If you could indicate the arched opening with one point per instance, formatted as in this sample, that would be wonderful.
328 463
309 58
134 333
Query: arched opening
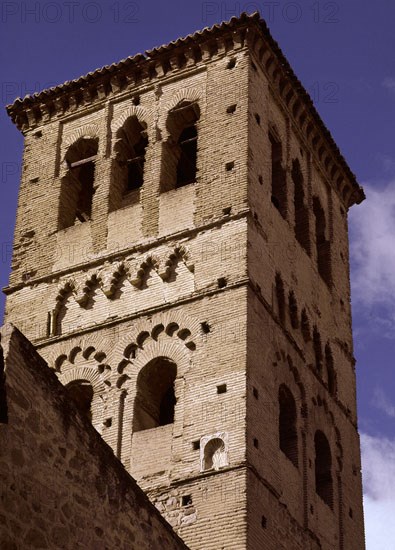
322 244
155 398
77 187
301 212
214 454
81 393
323 466
288 434
179 159
278 179
128 168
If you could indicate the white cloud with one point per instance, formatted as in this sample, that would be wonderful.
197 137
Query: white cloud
381 402
389 84
378 467
372 230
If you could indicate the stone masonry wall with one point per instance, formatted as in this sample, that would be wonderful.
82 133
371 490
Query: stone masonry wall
61 486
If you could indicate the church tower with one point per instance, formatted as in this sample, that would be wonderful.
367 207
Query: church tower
181 261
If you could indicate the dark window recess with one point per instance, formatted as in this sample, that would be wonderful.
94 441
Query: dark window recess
280 297
288 434
222 282
279 184
293 310
256 443
186 168
196 445
128 167
77 187
323 247
323 469
221 389
155 399
263 522
330 370
205 327
179 155
3 396
317 350
186 500
301 212
81 393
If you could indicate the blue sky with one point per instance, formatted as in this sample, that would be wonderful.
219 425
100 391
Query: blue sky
343 52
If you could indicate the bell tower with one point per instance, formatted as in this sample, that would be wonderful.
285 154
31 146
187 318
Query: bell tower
189 284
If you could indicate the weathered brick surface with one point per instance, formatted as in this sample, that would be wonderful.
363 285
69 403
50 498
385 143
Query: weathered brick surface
61 485
190 274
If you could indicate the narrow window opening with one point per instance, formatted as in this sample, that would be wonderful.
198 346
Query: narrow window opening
81 393
221 389
293 310
231 109
205 327
323 469
196 445
155 397
322 244
288 434
128 168
255 393
256 443
229 166
77 187
305 325
263 522
186 168
179 158
280 296
330 370
317 350
301 212
279 185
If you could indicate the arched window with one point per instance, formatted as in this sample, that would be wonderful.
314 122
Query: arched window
81 393
301 212
288 434
279 182
179 160
322 244
214 454
128 169
77 187
293 309
155 398
323 468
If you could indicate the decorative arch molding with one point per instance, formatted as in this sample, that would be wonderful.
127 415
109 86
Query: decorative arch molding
179 332
64 290
88 131
85 373
184 94
141 113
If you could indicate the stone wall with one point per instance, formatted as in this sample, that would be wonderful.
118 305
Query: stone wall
61 485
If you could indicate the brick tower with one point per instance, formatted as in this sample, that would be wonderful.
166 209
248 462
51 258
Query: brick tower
181 261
